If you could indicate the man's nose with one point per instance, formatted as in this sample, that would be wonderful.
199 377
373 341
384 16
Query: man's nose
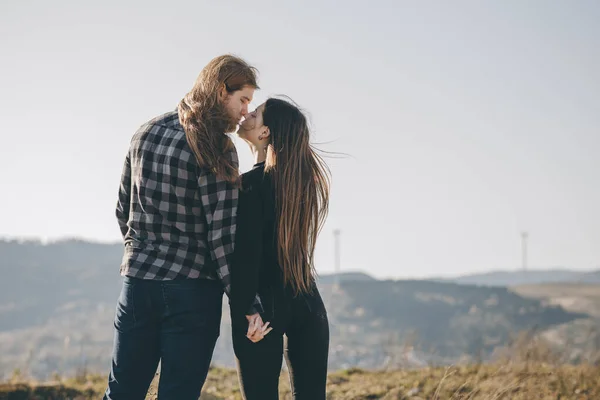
244 110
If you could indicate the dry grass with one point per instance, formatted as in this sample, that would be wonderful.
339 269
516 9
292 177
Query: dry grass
523 381
475 382
529 370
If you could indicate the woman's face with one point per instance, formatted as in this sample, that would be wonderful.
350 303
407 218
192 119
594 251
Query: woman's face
252 128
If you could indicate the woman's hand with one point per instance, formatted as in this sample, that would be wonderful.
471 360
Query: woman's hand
257 330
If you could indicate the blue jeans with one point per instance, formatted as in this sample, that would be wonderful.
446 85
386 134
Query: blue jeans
176 322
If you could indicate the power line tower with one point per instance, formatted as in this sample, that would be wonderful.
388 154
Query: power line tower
524 237
337 259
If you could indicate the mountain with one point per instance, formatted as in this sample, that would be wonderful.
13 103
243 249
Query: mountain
590 277
37 278
57 304
528 277
344 277
574 297
447 320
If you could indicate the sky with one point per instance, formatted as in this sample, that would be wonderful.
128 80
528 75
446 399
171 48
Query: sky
464 123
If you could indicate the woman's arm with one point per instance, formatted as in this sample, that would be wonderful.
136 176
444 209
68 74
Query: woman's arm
248 253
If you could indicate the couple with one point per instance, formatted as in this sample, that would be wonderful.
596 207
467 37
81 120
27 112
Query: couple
193 228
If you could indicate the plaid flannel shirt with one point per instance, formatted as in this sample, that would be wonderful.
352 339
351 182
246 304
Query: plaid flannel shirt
178 220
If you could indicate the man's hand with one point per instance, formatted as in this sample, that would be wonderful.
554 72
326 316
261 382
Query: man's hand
257 330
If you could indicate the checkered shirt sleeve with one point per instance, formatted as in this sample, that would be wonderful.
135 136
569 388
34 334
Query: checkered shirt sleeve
220 201
123 201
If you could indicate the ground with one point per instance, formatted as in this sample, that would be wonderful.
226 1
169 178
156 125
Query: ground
523 381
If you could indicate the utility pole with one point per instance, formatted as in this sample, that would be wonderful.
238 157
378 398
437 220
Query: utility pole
524 237
337 261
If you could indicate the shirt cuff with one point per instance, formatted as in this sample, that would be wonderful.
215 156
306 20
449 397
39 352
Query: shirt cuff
256 307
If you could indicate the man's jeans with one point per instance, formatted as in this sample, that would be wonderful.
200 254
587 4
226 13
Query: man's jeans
176 322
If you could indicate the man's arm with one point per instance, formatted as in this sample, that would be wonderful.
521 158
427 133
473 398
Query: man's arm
123 201
220 201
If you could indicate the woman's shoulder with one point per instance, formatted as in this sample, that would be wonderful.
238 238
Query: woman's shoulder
257 188
254 178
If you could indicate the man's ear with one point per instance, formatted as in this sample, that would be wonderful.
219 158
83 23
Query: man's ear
222 92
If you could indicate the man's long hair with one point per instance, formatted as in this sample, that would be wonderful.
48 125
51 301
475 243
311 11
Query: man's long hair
301 182
205 119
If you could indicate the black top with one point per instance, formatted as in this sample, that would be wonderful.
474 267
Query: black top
255 268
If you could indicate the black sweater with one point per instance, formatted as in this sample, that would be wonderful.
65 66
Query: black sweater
255 268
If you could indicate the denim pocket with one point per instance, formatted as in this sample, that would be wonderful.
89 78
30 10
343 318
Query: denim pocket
125 312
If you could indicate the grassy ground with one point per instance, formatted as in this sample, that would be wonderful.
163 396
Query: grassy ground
489 382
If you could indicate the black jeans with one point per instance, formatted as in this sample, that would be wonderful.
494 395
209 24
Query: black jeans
304 321
176 322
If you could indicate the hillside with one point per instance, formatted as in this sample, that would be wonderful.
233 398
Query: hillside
344 277
581 336
57 304
575 297
438 322
528 277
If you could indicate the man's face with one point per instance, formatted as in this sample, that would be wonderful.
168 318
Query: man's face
236 105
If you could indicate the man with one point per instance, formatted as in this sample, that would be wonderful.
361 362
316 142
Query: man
177 209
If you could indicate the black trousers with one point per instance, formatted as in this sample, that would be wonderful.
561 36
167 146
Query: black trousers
303 320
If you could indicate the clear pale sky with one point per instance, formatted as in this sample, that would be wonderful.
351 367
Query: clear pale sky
466 121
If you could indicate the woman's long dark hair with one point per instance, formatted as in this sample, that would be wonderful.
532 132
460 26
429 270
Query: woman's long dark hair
301 182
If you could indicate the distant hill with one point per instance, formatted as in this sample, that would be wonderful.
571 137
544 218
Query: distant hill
575 297
590 277
37 278
447 320
580 336
529 277
345 277
57 304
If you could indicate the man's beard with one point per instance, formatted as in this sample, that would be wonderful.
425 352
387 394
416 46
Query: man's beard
231 122
221 121
232 125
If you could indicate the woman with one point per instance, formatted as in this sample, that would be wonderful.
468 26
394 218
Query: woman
282 206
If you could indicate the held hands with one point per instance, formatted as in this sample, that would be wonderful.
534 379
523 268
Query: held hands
257 330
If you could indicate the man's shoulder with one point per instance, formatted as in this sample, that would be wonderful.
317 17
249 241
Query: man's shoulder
167 120
162 126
